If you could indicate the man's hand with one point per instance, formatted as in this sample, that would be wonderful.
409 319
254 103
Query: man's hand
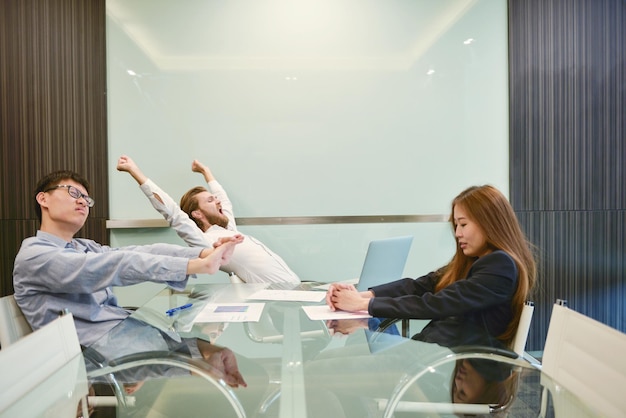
236 239
223 240
211 259
223 360
198 167
125 163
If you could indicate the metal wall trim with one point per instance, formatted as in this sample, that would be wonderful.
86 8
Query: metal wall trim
290 220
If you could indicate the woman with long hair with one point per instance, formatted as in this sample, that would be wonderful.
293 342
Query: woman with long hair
477 298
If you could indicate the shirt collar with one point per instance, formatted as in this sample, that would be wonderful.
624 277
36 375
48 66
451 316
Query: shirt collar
60 242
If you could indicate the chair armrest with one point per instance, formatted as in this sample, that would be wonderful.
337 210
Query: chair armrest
481 349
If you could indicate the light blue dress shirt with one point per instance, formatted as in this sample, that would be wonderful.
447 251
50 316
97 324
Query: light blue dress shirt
51 275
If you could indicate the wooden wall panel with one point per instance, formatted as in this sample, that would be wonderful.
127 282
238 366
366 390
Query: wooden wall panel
568 151
52 110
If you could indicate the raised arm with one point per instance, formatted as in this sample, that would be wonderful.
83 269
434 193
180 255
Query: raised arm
198 167
166 206
216 189
125 163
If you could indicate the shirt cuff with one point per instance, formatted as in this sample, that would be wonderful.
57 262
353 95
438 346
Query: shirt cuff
369 306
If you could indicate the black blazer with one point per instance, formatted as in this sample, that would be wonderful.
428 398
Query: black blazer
470 311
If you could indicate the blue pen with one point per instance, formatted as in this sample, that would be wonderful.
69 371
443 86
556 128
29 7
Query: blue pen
172 311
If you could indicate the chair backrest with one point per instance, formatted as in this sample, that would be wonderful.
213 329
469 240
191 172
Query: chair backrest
585 357
41 369
234 278
13 325
519 342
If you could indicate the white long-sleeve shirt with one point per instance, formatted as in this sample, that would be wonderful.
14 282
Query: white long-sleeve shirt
252 261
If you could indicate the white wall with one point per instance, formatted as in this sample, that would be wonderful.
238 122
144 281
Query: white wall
311 108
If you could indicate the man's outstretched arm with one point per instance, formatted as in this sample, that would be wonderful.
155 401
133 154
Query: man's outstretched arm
211 259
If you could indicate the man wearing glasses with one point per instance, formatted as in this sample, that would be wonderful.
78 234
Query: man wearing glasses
54 271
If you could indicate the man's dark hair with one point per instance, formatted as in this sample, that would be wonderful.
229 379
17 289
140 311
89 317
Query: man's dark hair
54 179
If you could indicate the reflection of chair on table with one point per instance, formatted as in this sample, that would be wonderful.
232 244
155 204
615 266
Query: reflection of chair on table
187 393
501 360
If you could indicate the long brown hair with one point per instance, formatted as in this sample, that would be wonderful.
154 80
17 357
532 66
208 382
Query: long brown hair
487 207
499 391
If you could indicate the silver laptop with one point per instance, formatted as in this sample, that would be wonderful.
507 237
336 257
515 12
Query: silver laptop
384 262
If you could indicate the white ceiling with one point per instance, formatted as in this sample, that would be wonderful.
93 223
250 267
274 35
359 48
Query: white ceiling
184 35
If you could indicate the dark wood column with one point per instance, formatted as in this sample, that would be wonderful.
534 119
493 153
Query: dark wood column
53 112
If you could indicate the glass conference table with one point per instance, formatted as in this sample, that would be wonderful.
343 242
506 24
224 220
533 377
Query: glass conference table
298 367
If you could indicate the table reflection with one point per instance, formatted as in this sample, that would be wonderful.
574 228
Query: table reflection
289 365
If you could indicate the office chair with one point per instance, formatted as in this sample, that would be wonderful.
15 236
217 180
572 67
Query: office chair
14 329
583 360
505 360
523 328
234 278
44 372
174 393
13 325
513 358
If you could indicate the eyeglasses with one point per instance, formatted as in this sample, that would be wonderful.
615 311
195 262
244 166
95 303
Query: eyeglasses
75 193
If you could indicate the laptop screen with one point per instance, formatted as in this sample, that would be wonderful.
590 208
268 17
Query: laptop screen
384 261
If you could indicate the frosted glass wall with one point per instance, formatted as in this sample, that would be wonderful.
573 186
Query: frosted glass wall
318 108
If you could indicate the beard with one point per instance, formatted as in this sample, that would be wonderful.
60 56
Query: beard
218 219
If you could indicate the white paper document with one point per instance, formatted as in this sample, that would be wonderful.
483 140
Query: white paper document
288 295
230 312
323 312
